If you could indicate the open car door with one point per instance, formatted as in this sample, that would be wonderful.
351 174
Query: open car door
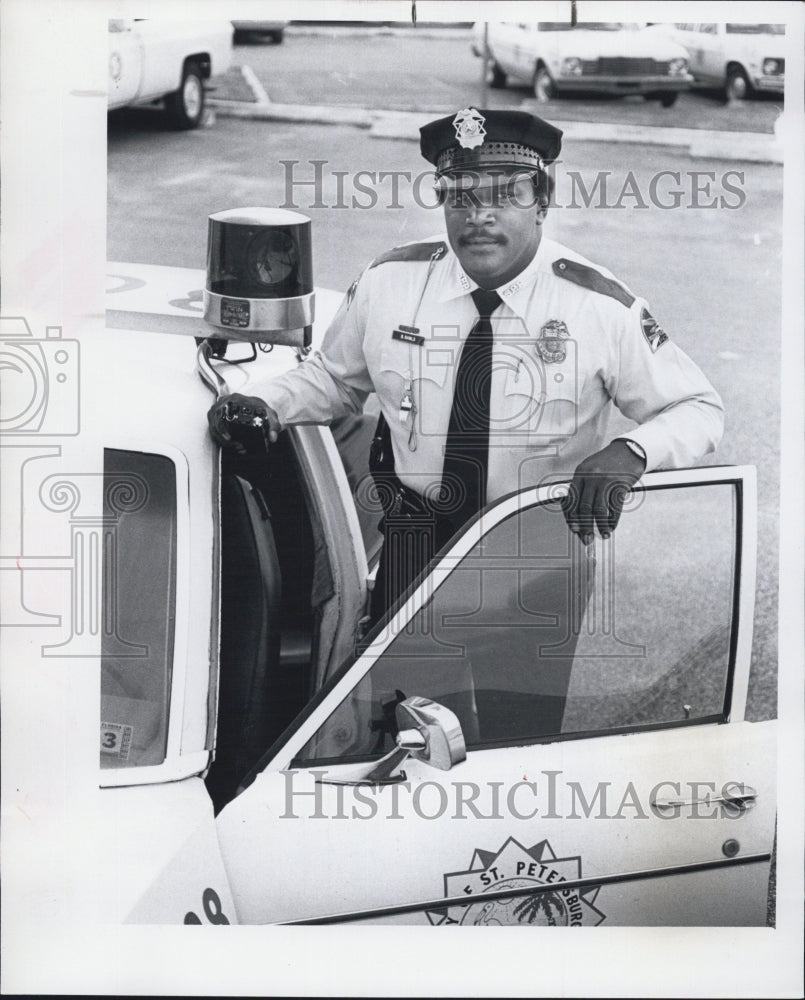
609 776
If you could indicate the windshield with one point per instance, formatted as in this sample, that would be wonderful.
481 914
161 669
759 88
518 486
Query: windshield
586 26
755 29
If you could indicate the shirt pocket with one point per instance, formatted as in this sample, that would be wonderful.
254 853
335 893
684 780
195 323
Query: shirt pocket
541 400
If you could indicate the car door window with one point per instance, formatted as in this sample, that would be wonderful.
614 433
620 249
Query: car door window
532 637
139 607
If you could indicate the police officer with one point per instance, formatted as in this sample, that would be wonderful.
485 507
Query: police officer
497 355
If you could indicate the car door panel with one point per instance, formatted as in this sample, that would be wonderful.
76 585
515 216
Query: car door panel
590 800
712 65
511 41
625 784
173 871
125 63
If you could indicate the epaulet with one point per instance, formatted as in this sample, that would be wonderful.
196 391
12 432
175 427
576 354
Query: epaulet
588 277
412 251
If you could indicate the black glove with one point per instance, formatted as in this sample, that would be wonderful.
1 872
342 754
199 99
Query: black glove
599 488
242 423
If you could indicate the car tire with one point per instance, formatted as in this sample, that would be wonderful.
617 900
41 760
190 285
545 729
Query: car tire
544 87
495 77
185 106
737 87
668 98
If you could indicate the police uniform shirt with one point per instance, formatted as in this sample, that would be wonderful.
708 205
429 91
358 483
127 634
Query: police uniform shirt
569 341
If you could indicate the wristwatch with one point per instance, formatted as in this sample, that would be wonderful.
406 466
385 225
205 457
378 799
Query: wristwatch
638 449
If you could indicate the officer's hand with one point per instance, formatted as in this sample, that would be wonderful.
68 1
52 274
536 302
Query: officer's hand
599 488
237 421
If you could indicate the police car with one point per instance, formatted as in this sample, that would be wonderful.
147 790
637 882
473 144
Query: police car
538 733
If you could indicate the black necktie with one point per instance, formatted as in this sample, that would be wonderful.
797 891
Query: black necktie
466 453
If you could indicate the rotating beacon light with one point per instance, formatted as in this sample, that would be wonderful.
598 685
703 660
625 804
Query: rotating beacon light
260 276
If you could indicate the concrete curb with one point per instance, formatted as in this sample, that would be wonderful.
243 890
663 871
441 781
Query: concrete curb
304 114
749 147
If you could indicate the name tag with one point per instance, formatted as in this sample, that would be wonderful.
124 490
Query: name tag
409 336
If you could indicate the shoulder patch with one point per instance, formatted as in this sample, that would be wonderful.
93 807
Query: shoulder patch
412 251
588 277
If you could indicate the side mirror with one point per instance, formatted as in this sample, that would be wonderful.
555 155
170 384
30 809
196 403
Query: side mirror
427 731
444 741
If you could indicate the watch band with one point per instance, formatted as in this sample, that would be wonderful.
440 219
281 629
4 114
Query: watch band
638 449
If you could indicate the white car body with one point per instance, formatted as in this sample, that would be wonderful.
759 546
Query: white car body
148 58
624 60
149 846
718 50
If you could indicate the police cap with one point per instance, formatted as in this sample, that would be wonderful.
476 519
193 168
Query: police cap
474 139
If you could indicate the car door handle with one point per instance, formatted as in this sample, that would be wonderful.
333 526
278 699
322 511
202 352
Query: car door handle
735 798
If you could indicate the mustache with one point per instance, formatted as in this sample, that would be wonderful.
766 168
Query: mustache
467 239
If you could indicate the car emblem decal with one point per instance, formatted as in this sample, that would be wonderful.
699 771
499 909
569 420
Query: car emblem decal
517 867
469 126
652 331
549 347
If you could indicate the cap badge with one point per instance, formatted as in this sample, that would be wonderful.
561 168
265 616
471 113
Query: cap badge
469 126
549 347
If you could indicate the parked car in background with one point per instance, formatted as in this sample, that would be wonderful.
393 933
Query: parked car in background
739 59
247 30
168 61
605 57
479 30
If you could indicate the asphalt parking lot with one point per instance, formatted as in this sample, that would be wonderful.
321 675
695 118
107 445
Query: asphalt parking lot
428 70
